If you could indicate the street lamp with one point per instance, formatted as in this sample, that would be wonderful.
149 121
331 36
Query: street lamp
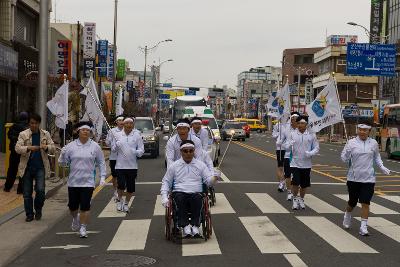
381 39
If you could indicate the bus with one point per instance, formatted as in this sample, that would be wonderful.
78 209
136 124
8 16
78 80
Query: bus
179 104
390 132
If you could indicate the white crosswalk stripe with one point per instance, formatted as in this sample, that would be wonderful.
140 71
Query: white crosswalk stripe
266 203
335 235
110 210
295 260
268 238
384 226
319 205
131 235
395 199
222 206
198 247
159 210
374 208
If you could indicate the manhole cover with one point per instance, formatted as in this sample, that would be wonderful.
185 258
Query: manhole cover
112 260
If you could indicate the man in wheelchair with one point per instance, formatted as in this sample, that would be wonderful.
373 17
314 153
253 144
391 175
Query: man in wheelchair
185 179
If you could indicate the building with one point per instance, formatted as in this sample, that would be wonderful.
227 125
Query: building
254 87
390 28
19 28
355 92
298 63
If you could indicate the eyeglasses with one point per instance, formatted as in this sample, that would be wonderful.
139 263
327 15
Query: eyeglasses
187 151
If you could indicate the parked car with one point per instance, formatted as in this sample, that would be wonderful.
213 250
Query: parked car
246 129
149 135
213 145
234 130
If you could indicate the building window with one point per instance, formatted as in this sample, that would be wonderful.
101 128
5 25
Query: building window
26 26
304 59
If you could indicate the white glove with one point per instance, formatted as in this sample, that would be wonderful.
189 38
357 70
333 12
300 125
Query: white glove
385 170
102 181
217 173
292 142
308 154
118 143
278 143
165 201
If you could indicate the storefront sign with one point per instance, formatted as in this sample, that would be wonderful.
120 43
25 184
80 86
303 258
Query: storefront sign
8 62
121 68
376 21
339 40
102 52
110 62
63 57
88 65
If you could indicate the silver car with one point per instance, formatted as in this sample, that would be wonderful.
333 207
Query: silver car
234 130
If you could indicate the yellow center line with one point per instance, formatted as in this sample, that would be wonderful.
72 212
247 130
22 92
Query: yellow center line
388 185
99 188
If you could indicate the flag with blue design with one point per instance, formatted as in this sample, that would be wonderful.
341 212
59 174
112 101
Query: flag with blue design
279 106
325 110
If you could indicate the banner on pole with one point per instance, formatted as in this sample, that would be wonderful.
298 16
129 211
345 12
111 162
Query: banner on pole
89 40
325 110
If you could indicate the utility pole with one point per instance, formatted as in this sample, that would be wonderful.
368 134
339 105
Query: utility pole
115 55
144 75
298 89
78 54
261 101
43 61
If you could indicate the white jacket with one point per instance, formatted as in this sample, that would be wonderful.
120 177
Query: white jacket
173 148
277 131
203 136
186 177
82 160
302 146
283 138
128 148
110 136
361 156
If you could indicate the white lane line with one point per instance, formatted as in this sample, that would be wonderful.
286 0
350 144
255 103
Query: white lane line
384 226
77 233
395 199
223 176
374 208
110 211
195 247
159 210
266 203
222 206
335 235
294 260
319 205
67 247
131 235
268 238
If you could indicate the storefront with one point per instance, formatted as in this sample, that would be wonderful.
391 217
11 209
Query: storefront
8 78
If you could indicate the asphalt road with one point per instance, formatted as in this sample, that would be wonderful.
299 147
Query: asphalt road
253 223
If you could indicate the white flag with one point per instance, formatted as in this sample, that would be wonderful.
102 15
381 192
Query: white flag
92 105
58 106
325 110
279 106
118 103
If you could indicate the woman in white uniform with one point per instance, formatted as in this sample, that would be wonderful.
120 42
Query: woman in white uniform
361 153
128 146
82 155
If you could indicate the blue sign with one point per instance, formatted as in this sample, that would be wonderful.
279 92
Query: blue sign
102 51
110 62
129 86
371 59
167 85
190 92
165 96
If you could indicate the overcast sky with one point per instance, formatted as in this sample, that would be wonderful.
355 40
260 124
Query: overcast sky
214 40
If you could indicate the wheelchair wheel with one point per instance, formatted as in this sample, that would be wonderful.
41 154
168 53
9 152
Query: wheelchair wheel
213 199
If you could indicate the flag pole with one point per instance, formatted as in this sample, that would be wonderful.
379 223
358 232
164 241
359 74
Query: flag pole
340 105
66 98
101 112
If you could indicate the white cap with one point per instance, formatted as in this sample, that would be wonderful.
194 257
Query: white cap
183 124
128 120
187 145
363 126
85 127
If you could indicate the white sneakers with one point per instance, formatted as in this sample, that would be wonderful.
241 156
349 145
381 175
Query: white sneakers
282 186
75 223
364 230
289 196
301 203
82 231
116 199
195 231
187 230
295 205
125 208
347 220
119 205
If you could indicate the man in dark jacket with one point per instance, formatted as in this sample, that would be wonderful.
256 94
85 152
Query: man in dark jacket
13 134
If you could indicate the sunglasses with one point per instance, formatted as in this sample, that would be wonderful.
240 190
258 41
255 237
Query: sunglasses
187 151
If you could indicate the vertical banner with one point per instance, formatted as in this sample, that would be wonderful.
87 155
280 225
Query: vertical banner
110 62
121 68
63 57
102 52
376 21
88 65
89 40
107 92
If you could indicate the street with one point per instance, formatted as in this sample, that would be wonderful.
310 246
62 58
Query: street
253 224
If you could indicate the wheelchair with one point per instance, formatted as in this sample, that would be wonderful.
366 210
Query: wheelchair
173 233
211 196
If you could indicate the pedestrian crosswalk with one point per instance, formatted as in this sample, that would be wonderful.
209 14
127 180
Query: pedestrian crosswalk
267 222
